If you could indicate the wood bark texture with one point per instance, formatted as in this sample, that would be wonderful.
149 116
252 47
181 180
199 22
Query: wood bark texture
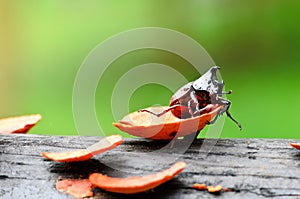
251 168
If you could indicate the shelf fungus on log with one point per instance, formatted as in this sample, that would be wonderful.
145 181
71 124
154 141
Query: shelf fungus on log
19 124
295 145
135 184
79 188
167 126
105 144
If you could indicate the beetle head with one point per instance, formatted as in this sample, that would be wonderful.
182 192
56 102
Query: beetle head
209 82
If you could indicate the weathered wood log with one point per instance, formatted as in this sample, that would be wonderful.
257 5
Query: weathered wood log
251 168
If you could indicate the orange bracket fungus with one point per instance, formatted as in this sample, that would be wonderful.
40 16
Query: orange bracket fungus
295 145
103 145
166 127
20 124
214 189
79 188
200 186
135 184
210 189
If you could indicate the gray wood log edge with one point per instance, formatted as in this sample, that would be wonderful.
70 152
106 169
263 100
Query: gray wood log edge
252 168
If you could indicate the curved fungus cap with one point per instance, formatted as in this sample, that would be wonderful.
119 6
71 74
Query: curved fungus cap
166 127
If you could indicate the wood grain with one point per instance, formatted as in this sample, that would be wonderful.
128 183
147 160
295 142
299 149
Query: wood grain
252 168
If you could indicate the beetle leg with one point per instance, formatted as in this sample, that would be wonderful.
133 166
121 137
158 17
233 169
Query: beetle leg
229 115
194 98
190 108
156 114
163 112
227 104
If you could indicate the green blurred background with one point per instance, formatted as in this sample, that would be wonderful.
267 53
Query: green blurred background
43 44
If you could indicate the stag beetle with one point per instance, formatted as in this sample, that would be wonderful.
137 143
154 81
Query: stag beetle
192 99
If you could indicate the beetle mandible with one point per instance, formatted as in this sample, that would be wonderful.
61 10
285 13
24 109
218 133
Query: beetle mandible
192 99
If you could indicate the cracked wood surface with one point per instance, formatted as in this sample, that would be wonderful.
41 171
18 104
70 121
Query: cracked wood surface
252 168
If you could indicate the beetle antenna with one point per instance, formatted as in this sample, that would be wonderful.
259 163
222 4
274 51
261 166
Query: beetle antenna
229 92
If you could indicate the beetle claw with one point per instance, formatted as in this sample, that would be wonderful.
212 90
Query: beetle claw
227 93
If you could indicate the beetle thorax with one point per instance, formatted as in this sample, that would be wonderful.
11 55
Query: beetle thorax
209 82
